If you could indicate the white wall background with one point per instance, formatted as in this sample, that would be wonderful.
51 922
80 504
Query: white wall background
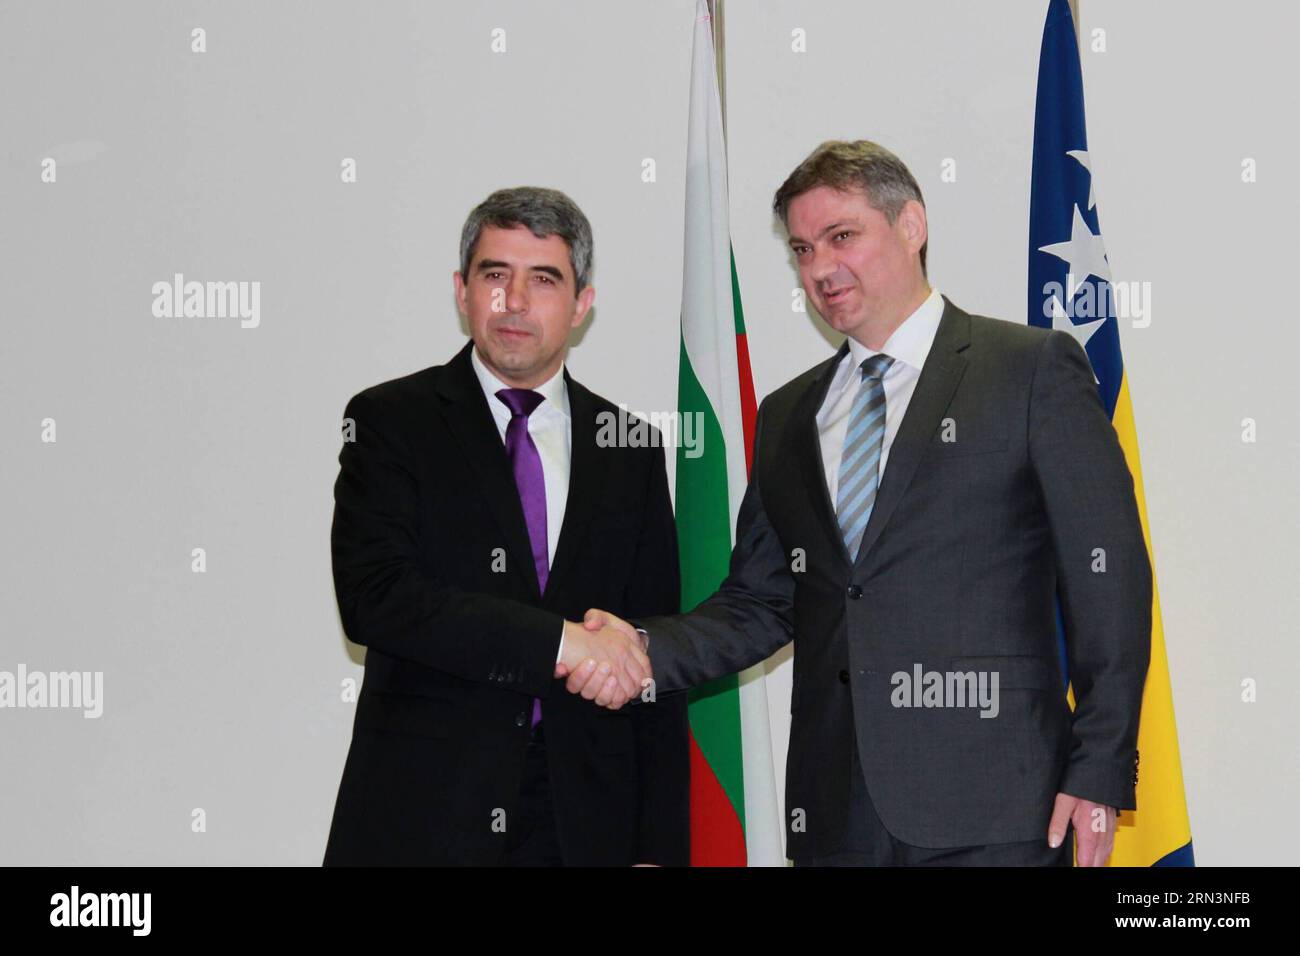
222 689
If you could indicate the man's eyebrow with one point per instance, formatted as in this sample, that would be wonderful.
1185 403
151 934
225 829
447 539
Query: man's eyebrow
831 227
550 271
486 264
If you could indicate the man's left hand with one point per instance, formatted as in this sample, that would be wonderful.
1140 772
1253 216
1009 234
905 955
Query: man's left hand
1094 828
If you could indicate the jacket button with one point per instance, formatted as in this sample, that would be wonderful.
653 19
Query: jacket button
844 677
520 719
855 591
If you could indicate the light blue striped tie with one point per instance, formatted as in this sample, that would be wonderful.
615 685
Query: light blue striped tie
860 462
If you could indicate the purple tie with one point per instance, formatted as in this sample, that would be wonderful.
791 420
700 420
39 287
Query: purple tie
530 481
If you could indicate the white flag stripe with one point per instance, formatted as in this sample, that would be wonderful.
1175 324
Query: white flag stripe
709 334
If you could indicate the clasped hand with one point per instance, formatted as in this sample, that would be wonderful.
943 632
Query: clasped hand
604 660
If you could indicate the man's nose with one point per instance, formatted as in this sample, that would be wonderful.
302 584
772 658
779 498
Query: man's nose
823 265
517 295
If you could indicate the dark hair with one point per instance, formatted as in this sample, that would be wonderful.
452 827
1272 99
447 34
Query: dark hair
881 176
546 212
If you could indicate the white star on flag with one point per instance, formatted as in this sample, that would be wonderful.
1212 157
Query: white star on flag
1084 251
1081 333
1081 157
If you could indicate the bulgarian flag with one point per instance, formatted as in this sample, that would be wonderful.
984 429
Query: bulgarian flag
734 816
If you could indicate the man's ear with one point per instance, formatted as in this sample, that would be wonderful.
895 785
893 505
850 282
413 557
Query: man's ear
458 284
585 299
915 227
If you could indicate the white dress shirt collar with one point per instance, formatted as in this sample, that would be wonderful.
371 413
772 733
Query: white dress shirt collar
911 341
552 390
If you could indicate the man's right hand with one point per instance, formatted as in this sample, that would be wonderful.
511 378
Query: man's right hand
604 665
595 619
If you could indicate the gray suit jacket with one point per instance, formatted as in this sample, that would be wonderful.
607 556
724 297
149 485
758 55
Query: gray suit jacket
969 544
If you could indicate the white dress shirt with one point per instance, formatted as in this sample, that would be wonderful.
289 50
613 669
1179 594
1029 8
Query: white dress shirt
908 346
549 427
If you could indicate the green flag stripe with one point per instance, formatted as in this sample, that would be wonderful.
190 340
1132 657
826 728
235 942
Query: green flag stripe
704 547
735 296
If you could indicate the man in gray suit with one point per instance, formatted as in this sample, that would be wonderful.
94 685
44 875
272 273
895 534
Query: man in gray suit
929 720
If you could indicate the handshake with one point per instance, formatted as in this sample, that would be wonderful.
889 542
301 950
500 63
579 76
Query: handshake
604 659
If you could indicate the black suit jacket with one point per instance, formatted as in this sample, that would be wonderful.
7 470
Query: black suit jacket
426 513
968 545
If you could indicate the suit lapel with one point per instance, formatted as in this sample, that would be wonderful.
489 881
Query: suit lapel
586 480
940 374
470 420
805 439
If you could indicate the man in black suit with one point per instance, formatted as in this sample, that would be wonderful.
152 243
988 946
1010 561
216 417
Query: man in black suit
1001 486
474 512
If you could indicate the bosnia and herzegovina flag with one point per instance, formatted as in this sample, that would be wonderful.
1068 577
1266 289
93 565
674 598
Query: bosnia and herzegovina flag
1070 289
734 814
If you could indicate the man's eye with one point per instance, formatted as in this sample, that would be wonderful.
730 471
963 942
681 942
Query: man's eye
547 279
493 275
839 234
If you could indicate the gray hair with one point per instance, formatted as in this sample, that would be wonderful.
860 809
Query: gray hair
885 180
546 212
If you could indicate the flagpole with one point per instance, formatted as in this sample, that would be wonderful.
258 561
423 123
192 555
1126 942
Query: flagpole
720 57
